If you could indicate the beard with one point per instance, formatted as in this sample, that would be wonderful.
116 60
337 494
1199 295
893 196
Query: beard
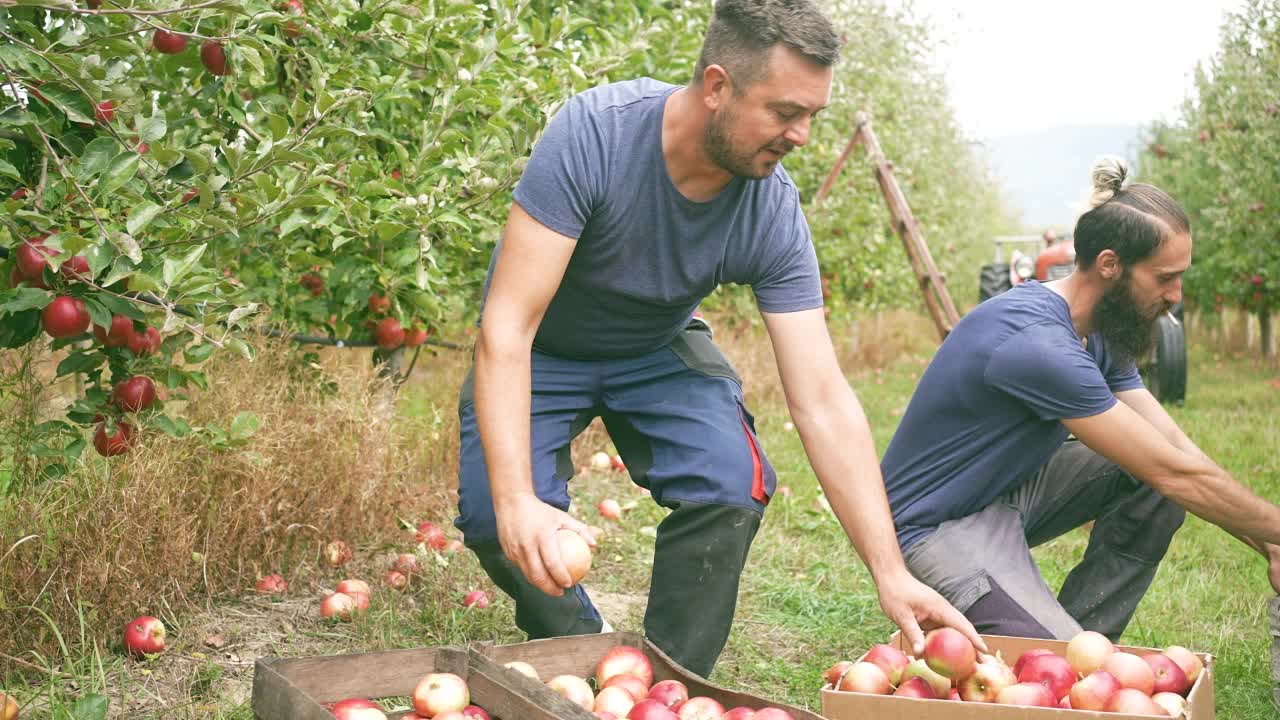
730 154
1125 327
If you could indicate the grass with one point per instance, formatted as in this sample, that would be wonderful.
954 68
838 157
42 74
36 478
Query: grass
806 601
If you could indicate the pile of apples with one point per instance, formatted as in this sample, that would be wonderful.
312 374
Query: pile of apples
438 696
1094 675
625 691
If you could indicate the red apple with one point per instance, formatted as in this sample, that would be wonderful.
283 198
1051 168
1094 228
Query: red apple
955 694
624 660
119 334
1065 702
772 714
865 677
405 564
1026 658
19 194
523 668
1028 694
350 586
475 711
651 710
144 635
214 58
431 536
1093 692
1187 660
574 688
453 546
610 509
135 394
669 692
915 687
1052 671
338 605
389 334
65 317
1131 671
337 553
379 304
940 685
616 463
600 461
105 112
357 709
575 553
740 713
602 715
1134 702
272 584
1173 703
32 257
76 268
614 699
988 679
890 659
451 715
1169 677
832 675
1088 650
167 42
114 444
702 708
439 693
477 599
413 337
949 653
638 688
396 580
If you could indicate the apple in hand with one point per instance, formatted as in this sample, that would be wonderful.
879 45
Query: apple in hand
949 653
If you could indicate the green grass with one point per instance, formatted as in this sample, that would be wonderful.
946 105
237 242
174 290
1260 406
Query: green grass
806 600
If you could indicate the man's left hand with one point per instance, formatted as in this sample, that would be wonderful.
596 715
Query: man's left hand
916 607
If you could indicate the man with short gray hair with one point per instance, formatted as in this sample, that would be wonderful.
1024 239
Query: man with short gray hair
641 198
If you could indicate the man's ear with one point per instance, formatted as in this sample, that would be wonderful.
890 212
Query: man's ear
1109 265
716 87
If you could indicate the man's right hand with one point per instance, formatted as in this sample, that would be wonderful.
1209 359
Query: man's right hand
527 532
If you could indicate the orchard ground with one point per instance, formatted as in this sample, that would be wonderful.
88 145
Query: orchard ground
806 600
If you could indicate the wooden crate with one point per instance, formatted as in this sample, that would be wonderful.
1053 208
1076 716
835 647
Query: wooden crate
578 655
294 689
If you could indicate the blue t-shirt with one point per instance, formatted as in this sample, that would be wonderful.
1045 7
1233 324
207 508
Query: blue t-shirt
988 410
646 255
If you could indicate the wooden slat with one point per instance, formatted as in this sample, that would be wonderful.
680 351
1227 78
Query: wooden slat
275 697
371 675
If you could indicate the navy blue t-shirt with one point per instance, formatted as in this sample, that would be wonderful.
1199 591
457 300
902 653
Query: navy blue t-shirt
988 410
646 255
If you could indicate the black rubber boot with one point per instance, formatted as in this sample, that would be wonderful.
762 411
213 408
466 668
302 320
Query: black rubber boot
538 614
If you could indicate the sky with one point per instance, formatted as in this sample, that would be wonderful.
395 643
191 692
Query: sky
1019 66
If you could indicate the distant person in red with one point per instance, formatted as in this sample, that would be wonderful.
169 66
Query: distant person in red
1050 238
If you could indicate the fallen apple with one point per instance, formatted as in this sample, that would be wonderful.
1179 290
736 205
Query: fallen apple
600 461
439 693
396 580
337 553
431 536
476 599
272 584
144 635
618 466
8 707
610 509
350 586
338 605
405 564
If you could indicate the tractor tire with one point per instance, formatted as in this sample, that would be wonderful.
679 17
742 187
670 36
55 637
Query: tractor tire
993 281
1166 372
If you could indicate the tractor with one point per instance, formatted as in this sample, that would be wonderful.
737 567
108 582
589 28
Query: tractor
1046 258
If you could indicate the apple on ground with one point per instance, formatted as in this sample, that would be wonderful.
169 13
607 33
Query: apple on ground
624 660
8 707
1052 671
476 599
600 461
396 580
453 546
1094 691
864 677
431 536
338 605
575 689
949 653
1028 694
144 635
337 553
890 659
610 509
669 692
1133 702
438 693
405 564
1088 650
989 677
272 584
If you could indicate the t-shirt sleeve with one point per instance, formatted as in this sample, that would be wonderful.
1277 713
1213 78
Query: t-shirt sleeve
1048 370
562 181
787 277
1120 376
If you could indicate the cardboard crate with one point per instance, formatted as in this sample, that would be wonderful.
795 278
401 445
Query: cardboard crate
578 655
837 705
294 689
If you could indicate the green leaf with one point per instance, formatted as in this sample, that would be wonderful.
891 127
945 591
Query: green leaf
122 169
141 216
245 425
18 329
125 243
97 156
90 707
9 170
176 268
242 347
80 362
387 230
98 313
153 128
196 354
24 298
293 222
70 101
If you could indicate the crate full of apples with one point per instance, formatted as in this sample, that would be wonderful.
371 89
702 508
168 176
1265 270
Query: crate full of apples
622 676
1087 676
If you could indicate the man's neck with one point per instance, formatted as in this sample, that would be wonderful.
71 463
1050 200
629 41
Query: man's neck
692 171
1081 296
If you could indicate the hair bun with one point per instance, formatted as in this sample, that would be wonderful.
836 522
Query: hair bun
1109 172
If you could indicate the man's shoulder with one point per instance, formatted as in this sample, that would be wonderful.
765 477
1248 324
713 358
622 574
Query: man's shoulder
623 94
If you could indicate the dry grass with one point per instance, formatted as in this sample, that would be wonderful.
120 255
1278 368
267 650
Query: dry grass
176 523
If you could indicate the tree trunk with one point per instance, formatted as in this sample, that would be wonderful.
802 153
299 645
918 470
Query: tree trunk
1264 329
390 364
